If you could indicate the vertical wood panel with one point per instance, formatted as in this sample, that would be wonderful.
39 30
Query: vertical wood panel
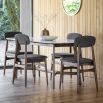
89 20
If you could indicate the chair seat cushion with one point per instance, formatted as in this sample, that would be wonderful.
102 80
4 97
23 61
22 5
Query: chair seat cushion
74 60
33 57
11 54
59 55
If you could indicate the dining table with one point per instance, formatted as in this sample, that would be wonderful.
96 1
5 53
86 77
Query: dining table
54 44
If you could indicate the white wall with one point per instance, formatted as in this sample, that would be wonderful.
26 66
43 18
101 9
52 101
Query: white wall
26 16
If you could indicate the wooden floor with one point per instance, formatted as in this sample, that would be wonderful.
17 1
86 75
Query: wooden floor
40 93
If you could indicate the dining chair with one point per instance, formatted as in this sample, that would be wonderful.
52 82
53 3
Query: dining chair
69 36
78 61
72 36
9 54
33 59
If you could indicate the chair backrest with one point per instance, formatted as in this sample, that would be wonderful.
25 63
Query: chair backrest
85 41
11 34
73 35
22 39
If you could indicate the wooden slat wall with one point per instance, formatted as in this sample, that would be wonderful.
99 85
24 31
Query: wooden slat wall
89 20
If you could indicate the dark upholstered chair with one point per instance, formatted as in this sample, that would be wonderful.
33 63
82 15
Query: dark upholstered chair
23 40
70 54
69 36
9 55
86 42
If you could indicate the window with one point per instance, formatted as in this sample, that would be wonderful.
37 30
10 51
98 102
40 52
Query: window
1 5
71 7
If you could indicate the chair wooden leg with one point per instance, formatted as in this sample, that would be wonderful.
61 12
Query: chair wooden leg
78 79
34 71
51 74
96 80
80 83
14 75
4 65
82 73
39 71
25 77
61 76
51 69
60 79
46 72
71 73
39 74
53 79
16 71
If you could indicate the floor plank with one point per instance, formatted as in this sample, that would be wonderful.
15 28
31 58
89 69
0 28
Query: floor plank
40 93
